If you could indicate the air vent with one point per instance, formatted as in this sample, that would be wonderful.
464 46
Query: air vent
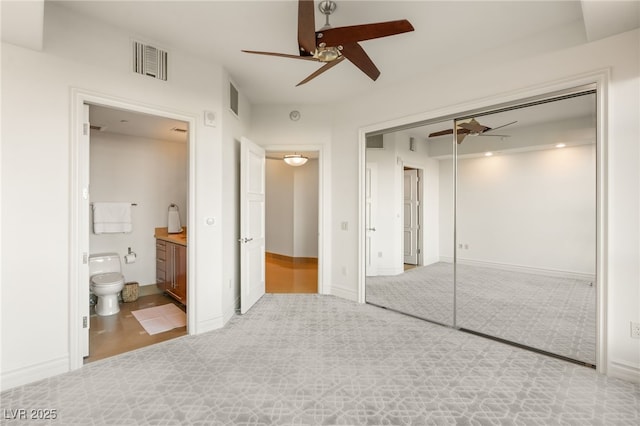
375 142
233 99
149 60
178 129
96 127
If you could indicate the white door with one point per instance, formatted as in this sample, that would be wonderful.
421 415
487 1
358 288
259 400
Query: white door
83 226
371 191
411 222
252 210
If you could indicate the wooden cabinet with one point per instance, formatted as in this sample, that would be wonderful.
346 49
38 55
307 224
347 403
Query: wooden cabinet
171 269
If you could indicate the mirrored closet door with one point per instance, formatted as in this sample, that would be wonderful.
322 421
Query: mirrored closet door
492 228
409 223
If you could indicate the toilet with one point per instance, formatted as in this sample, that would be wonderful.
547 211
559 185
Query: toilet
106 281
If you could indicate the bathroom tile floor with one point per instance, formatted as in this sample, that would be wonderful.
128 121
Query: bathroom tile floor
116 334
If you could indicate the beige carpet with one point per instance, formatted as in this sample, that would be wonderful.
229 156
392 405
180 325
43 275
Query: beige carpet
160 318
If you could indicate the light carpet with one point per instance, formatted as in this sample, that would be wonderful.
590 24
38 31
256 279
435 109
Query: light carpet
159 319
554 314
322 360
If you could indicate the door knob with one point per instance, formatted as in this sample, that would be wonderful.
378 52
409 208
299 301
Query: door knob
245 240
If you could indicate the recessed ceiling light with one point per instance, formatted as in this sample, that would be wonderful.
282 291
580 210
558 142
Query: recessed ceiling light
488 154
560 145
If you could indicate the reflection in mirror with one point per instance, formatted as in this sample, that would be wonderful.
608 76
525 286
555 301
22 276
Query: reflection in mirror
526 226
409 223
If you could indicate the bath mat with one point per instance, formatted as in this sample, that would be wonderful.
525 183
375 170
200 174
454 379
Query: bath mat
160 318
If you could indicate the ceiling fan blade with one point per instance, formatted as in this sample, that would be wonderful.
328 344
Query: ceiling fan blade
461 137
474 126
500 127
356 54
448 132
282 55
322 69
345 35
306 27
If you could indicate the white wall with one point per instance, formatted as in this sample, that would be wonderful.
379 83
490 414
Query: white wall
535 210
36 164
292 208
279 218
152 174
456 88
305 210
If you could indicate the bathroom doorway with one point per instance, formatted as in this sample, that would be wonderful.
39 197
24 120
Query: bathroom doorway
141 157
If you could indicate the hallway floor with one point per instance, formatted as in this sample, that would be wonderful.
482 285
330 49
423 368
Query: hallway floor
284 275
116 334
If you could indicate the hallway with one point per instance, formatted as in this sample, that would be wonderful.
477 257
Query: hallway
291 275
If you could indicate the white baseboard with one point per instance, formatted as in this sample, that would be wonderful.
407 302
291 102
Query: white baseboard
522 268
230 310
390 271
623 370
345 293
33 373
209 325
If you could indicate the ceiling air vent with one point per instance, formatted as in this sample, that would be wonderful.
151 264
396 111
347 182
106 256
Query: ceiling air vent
375 142
233 99
149 60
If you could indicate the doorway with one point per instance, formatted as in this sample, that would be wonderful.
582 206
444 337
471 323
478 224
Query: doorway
80 212
292 222
412 224
141 159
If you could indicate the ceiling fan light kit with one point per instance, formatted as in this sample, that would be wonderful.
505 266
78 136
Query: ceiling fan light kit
331 46
295 160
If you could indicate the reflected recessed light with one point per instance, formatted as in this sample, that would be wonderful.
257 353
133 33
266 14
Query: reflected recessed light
488 154
560 145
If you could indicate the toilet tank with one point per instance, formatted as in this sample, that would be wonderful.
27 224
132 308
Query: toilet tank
103 263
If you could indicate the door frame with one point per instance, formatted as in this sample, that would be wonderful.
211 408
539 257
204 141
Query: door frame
600 78
79 98
324 213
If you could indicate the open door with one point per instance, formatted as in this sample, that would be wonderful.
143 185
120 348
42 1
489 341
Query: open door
371 192
411 223
252 224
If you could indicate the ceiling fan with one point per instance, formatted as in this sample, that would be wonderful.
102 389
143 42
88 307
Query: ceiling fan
472 128
332 45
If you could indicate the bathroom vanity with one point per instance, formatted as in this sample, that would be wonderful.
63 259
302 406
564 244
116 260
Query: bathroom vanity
171 263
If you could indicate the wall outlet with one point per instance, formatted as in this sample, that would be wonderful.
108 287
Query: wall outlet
379 254
344 226
635 330
344 270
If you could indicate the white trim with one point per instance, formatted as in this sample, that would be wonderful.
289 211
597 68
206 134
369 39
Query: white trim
600 78
625 371
34 372
344 293
522 268
324 211
79 97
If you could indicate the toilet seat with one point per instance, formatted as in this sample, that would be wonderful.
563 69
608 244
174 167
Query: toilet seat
109 278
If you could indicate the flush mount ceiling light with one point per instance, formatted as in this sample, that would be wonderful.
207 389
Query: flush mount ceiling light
560 145
295 160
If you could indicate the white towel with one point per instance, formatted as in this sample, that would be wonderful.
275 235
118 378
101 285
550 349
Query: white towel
111 218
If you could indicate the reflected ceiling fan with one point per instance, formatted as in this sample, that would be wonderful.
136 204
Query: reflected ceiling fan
332 45
472 128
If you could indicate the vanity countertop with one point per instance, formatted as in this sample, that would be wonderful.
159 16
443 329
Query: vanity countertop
181 238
